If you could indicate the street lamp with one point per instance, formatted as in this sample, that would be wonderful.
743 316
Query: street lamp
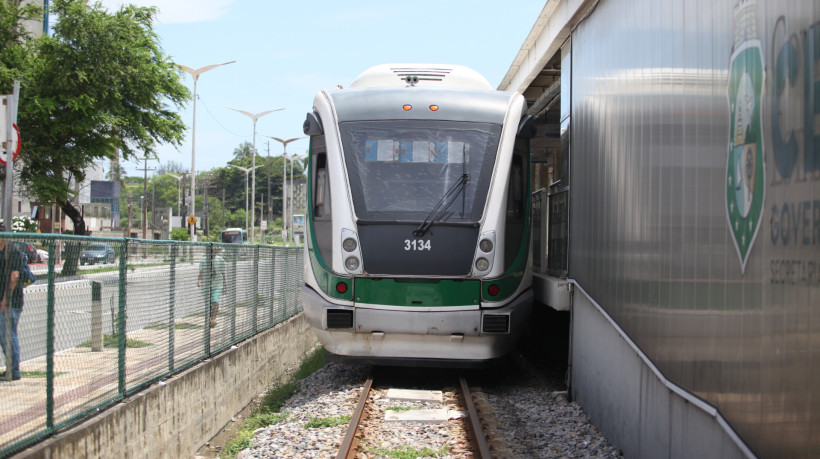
179 191
246 170
254 117
284 180
292 160
195 73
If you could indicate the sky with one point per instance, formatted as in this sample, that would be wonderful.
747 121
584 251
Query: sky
286 52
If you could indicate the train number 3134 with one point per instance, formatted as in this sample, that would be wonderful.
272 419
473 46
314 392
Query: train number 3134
416 244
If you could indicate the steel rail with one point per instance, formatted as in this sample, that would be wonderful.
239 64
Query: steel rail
475 422
348 448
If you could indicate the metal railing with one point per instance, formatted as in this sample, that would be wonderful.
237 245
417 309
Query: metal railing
109 316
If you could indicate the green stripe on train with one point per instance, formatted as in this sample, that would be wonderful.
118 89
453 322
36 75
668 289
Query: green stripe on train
417 292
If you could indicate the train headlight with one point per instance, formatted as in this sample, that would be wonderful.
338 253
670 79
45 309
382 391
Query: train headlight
349 244
486 245
482 264
351 252
352 263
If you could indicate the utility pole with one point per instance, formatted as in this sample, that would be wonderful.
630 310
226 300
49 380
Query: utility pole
145 196
270 206
206 184
153 208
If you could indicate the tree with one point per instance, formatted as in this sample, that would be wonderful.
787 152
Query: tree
116 174
172 167
15 43
242 151
100 83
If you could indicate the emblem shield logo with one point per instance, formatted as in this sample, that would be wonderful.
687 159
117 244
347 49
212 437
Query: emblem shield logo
745 172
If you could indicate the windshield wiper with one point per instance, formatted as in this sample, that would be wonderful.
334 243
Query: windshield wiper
442 205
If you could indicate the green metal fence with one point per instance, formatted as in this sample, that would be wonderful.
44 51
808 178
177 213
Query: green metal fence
107 317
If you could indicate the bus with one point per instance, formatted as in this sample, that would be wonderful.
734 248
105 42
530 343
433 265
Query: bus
234 236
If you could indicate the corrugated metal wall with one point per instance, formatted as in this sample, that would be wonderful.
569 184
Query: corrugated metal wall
695 200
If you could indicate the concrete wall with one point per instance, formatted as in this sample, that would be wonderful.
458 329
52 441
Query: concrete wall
174 418
631 402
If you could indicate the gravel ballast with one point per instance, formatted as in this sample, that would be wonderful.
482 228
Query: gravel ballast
527 417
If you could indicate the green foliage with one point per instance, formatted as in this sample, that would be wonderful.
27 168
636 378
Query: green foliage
113 341
243 150
242 440
332 421
409 452
39 374
275 399
180 234
260 420
99 83
15 43
398 408
177 326
267 412
311 364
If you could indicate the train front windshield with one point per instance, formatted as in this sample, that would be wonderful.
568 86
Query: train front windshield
401 170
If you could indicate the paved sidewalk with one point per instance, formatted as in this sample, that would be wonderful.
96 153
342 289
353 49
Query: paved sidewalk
85 379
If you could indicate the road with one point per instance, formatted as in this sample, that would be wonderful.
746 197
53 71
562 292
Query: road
148 300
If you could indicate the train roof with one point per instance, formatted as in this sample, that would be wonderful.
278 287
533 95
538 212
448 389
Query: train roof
385 103
408 91
422 75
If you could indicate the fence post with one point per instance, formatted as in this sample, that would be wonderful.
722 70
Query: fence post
286 283
272 255
50 339
96 317
255 289
234 255
121 320
172 306
207 278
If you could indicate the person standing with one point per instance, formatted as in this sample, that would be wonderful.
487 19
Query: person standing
215 269
11 288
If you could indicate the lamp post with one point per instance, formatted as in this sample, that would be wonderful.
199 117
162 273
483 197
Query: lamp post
284 179
292 160
195 73
254 117
179 191
246 170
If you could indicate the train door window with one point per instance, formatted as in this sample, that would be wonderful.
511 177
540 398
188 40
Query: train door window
516 201
320 197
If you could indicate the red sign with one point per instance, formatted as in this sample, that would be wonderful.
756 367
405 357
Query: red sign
16 150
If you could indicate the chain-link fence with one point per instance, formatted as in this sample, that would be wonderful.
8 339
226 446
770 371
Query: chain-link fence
107 317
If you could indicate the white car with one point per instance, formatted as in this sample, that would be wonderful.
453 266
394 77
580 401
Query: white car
42 255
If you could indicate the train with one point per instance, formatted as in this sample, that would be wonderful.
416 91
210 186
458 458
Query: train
417 237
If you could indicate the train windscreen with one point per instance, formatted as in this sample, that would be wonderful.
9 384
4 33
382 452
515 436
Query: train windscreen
406 170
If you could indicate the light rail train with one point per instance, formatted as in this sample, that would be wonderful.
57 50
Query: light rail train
418 228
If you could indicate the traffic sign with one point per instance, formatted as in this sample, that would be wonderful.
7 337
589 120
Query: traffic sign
192 220
15 145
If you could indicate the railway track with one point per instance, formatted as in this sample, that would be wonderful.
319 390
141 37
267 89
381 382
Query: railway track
469 440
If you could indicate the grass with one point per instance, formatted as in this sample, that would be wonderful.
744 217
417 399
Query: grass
332 421
38 374
177 326
113 341
267 413
243 439
409 452
398 408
